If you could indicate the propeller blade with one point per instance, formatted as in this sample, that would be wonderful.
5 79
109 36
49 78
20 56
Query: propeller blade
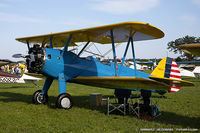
18 56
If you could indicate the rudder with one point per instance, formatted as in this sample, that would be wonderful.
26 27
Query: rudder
167 68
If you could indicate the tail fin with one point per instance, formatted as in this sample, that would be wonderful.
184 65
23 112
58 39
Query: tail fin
167 68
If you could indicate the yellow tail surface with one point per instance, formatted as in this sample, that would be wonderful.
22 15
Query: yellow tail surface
167 71
159 71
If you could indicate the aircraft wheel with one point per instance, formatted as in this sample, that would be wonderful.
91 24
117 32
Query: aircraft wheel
64 101
39 98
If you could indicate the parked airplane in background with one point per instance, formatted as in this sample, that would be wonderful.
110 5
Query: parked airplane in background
194 73
184 72
130 64
191 48
67 66
5 62
195 50
12 77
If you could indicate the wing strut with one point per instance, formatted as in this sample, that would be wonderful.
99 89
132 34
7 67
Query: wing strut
27 42
106 53
83 48
114 53
50 41
93 53
125 52
67 44
133 52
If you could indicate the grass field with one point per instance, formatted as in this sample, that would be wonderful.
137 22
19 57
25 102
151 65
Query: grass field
18 114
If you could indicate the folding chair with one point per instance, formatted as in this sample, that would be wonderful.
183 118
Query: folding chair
112 107
134 108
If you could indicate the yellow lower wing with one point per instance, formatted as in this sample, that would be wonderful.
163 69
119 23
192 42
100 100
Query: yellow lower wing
171 82
122 83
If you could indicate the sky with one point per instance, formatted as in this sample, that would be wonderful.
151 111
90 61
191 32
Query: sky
20 18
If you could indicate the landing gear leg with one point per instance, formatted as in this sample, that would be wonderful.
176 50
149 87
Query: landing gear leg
121 94
146 102
41 96
64 100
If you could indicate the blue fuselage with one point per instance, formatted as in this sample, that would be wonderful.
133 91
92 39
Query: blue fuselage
73 66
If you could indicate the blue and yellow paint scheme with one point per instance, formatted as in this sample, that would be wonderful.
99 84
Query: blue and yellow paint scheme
89 71
69 67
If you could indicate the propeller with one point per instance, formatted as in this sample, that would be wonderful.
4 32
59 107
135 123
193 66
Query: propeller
35 58
19 56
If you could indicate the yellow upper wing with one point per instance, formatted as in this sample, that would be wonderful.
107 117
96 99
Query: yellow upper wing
101 34
191 48
122 82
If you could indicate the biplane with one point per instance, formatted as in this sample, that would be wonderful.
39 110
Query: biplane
192 49
66 66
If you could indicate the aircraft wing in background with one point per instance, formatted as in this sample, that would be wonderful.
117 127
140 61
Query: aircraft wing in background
5 62
191 48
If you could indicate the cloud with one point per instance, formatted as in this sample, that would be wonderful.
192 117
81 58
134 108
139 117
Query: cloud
196 2
15 18
189 19
124 6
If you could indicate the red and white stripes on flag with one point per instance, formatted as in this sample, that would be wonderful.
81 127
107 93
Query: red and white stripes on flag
174 74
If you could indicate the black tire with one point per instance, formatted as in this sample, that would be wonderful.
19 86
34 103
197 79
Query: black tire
64 101
39 98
